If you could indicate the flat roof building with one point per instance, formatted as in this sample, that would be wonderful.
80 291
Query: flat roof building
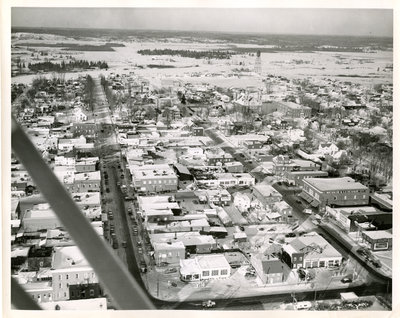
335 191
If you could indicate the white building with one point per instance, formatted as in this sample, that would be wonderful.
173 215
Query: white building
210 266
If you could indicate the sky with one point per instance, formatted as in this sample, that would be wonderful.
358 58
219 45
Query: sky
373 22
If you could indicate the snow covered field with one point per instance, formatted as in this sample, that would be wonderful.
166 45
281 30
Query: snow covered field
363 68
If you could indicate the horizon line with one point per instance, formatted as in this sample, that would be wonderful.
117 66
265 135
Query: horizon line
197 31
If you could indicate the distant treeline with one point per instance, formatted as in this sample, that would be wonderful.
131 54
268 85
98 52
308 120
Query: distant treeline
62 67
159 66
188 53
74 46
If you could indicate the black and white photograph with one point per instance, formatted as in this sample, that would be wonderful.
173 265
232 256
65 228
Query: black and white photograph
200 158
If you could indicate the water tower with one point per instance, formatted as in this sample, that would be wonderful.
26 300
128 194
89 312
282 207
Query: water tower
257 65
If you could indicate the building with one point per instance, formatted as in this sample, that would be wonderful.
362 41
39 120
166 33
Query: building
86 164
296 177
70 268
218 157
39 257
169 252
335 191
310 251
40 292
84 182
85 129
283 164
84 291
350 218
327 149
269 268
194 242
288 109
234 167
198 131
266 195
202 267
41 217
378 240
284 210
218 197
154 178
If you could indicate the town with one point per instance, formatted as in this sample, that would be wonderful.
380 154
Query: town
210 193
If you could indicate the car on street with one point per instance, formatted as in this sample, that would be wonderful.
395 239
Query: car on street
346 280
208 304
290 235
143 267
307 211
123 244
170 270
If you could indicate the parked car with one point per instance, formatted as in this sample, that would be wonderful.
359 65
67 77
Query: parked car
208 304
170 270
290 235
346 280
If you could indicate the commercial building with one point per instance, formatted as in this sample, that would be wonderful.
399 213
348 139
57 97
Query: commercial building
168 252
335 191
154 178
202 267
351 219
296 177
310 251
378 240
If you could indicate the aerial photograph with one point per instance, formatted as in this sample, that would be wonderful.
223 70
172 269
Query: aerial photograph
211 159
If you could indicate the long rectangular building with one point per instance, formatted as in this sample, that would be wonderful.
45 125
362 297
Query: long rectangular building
335 192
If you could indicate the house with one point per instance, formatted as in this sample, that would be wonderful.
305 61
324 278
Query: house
284 210
203 267
241 201
269 268
327 149
378 240
310 251
218 197
170 252
234 167
266 195
335 191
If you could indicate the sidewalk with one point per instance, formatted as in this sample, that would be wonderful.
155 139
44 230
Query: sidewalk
343 237
231 288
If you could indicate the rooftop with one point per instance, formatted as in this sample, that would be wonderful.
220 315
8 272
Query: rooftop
375 235
332 184
266 190
212 261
